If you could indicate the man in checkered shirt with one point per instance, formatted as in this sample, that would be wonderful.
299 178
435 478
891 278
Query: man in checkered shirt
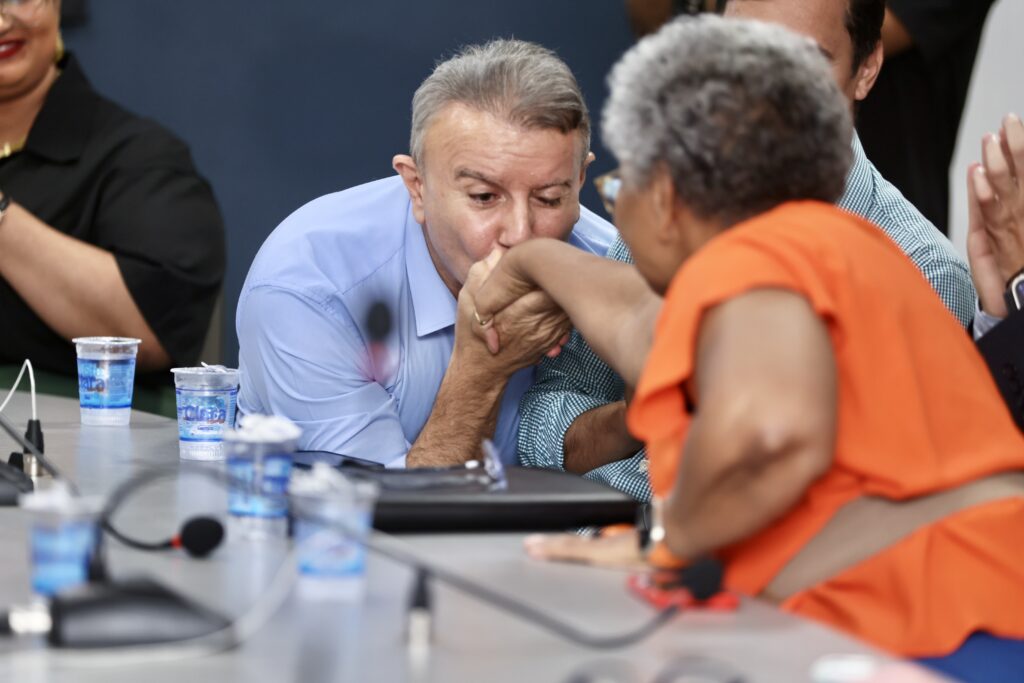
573 418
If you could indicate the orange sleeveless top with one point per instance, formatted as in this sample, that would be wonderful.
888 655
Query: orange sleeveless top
918 412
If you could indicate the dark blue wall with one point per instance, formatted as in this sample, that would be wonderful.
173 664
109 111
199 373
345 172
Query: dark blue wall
284 101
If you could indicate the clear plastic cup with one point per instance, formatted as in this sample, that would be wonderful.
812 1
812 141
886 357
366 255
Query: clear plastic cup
333 517
259 456
62 537
206 398
106 379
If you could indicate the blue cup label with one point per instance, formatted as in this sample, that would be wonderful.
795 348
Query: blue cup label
60 555
327 552
106 383
203 415
250 478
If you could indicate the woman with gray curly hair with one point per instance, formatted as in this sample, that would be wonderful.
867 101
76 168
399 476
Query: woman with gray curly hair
814 417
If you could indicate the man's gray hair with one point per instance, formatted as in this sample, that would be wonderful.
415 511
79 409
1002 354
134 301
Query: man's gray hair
521 82
743 114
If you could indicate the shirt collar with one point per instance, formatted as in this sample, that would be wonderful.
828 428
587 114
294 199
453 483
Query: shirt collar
433 305
859 194
64 124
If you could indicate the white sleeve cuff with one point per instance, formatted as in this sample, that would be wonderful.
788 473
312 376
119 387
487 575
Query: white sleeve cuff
983 322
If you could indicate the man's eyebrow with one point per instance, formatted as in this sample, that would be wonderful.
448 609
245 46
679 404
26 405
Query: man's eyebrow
828 55
561 183
475 175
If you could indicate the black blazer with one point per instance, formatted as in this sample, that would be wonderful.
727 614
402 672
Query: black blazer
1003 350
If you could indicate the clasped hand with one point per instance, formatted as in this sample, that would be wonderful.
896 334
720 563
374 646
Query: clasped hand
517 321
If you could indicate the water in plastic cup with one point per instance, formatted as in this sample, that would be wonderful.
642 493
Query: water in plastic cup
259 456
333 517
106 379
62 537
206 398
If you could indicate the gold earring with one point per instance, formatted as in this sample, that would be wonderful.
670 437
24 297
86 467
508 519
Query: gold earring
59 52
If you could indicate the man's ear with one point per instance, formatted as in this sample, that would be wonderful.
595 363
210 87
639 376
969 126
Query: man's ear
406 167
867 73
586 164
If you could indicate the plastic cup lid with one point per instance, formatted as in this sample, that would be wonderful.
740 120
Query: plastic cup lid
324 481
254 428
208 374
59 499
107 341
205 369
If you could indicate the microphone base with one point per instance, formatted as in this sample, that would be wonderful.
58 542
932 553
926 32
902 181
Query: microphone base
31 467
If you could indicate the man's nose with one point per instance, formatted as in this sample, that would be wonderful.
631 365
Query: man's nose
518 225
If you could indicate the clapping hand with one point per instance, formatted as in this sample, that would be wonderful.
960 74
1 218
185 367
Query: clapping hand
995 238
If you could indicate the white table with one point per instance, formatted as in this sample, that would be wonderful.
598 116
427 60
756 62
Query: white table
311 642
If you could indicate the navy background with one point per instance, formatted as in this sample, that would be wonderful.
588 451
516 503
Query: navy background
284 101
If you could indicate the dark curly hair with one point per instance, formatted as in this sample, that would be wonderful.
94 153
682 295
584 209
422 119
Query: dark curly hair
864 20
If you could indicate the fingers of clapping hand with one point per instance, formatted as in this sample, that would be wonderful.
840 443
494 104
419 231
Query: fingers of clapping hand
998 169
983 196
998 196
988 279
1012 139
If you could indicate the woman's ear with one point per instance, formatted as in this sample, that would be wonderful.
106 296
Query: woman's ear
665 207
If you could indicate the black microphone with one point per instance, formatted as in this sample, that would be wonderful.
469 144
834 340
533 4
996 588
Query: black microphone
378 327
703 578
199 536
378 321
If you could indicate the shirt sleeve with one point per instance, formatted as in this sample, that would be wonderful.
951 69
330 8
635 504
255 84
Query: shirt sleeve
937 25
573 383
950 277
306 361
160 220
983 322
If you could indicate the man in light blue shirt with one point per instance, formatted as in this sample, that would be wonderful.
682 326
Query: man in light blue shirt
351 322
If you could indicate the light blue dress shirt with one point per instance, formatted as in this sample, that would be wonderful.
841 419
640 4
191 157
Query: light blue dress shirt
304 349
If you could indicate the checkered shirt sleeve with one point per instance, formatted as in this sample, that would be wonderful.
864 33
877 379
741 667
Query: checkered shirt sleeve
576 382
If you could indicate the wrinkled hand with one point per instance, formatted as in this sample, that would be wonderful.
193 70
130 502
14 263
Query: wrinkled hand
504 284
619 550
526 327
995 238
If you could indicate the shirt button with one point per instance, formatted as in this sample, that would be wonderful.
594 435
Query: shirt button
642 465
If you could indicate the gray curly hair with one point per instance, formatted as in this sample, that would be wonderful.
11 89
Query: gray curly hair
524 83
744 115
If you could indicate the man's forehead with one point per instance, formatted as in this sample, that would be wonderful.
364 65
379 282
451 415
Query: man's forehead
471 142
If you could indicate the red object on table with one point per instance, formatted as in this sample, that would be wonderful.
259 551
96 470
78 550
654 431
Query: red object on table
662 590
